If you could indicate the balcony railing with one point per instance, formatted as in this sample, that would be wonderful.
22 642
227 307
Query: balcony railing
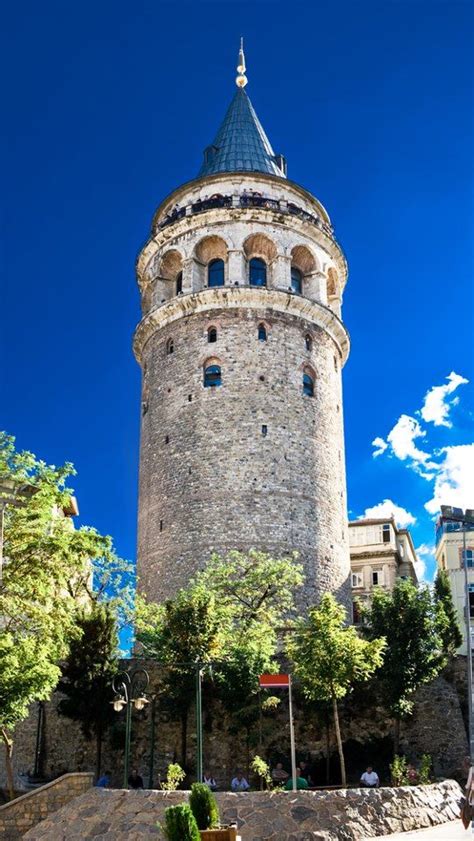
245 200
446 528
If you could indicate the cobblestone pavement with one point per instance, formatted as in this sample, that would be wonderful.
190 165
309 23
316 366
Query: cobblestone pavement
452 831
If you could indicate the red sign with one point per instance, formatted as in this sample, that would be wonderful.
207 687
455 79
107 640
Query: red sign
274 681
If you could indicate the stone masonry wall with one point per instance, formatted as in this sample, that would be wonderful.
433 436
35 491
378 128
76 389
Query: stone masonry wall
345 815
18 816
436 728
211 480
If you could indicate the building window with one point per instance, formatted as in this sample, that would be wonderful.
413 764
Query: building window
170 346
264 429
308 385
161 525
467 557
179 283
308 342
212 376
386 533
377 577
257 272
296 280
357 579
262 333
212 335
215 273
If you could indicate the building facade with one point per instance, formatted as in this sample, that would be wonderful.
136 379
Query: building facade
241 346
454 550
380 554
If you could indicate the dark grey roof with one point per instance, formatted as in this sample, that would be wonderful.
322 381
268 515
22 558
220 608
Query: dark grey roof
241 143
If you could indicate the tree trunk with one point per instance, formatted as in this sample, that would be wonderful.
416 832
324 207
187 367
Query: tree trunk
8 762
339 742
184 738
328 750
396 736
98 745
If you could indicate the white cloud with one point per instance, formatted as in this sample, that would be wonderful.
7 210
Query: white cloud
381 446
454 483
436 406
388 509
402 442
424 553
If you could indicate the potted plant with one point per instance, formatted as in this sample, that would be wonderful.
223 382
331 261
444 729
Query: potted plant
180 824
206 813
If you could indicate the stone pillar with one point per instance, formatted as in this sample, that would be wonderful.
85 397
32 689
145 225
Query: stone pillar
236 267
188 268
281 272
315 287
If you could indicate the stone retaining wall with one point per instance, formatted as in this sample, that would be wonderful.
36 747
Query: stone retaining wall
345 815
18 816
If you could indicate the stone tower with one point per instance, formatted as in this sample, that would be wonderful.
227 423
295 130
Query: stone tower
241 346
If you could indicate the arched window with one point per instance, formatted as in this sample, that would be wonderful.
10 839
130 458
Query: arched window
212 376
308 342
212 334
262 333
169 346
215 273
179 283
257 272
308 384
296 280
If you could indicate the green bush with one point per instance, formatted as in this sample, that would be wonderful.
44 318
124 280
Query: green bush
203 806
398 771
180 824
175 775
424 774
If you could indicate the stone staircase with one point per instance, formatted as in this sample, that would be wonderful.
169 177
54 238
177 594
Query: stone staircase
22 814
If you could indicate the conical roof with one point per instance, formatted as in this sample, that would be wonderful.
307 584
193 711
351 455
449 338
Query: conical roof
241 144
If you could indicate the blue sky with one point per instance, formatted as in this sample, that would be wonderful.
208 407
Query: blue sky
109 108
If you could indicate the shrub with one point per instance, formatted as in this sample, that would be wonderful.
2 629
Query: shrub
175 775
180 824
262 770
424 774
204 806
398 771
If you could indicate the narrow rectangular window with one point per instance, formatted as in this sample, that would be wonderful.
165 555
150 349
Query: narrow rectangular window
386 533
264 429
161 525
377 577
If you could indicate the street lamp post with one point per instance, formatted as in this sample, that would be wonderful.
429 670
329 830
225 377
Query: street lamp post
466 520
129 688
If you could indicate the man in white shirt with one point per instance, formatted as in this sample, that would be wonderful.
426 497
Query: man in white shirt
369 778
239 783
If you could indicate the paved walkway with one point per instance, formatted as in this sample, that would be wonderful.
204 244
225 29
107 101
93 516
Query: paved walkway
452 831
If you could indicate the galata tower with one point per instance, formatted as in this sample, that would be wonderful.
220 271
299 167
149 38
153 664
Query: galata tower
241 346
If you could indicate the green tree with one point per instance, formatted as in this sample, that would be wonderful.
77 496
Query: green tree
411 624
330 657
450 632
46 577
255 586
87 674
185 630
257 593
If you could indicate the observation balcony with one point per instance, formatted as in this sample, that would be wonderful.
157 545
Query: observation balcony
246 200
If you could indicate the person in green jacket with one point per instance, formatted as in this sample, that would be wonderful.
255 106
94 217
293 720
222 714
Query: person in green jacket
301 783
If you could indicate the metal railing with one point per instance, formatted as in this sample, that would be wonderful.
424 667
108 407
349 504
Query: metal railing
245 200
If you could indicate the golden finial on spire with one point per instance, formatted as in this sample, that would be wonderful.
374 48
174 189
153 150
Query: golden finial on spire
241 79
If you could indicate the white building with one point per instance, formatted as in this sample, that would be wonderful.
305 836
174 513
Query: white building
449 553
380 553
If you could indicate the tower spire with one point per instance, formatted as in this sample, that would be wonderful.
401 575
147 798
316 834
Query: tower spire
241 79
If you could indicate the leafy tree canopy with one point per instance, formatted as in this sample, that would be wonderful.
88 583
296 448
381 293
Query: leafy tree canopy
449 626
410 622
